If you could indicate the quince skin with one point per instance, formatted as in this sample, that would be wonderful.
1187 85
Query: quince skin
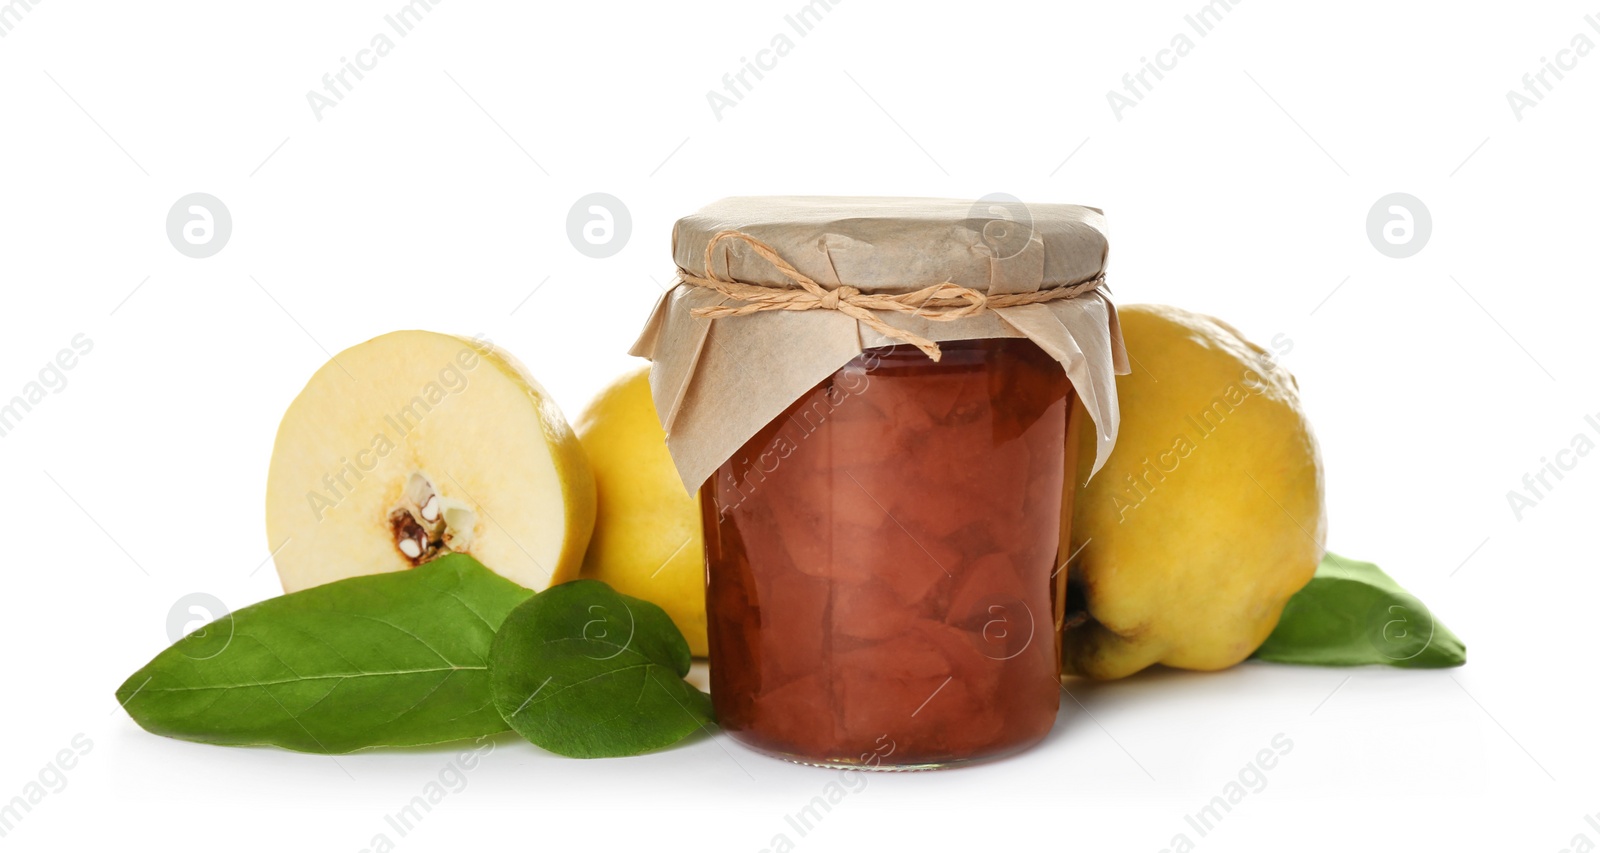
1208 515
647 539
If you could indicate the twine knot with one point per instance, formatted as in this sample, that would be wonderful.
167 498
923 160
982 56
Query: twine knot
830 299
942 302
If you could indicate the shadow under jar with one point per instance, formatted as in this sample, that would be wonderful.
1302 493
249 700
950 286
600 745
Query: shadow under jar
881 561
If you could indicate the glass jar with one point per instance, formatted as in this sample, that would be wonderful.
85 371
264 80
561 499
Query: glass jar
881 561
874 398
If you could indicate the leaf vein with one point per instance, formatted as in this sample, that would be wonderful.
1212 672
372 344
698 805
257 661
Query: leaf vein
299 678
596 677
425 643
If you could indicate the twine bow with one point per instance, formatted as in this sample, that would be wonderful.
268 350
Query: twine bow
943 302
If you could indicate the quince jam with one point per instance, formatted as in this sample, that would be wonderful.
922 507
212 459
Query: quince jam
881 561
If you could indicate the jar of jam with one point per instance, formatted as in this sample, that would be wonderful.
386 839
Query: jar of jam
884 576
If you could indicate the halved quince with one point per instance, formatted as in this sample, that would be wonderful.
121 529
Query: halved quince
417 444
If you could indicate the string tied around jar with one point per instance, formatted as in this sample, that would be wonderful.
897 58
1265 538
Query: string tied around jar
942 302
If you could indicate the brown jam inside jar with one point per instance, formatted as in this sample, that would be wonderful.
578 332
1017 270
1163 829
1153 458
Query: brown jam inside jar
880 561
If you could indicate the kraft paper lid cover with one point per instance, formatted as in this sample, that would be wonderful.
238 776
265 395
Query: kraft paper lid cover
717 381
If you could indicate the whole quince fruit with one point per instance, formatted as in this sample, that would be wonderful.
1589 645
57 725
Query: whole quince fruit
1208 515
647 540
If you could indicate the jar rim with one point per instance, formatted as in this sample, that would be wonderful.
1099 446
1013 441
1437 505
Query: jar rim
891 244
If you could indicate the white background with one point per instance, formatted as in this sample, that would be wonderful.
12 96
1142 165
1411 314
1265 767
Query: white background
436 196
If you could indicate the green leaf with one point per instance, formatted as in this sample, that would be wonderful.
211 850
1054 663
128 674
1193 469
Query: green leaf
584 671
1353 614
397 659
